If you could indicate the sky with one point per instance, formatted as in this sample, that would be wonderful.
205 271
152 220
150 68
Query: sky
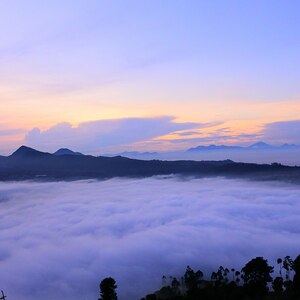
109 76
59 240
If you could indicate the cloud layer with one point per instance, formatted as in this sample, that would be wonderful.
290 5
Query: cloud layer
96 135
58 240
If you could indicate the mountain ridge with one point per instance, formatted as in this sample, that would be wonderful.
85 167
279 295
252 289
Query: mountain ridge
66 151
25 151
256 146
30 164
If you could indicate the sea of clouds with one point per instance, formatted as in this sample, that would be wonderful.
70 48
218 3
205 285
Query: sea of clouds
59 239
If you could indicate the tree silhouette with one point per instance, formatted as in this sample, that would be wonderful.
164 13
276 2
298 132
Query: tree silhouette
220 277
191 278
233 274
287 265
237 277
108 289
278 285
256 275
279 262
296 281
175 284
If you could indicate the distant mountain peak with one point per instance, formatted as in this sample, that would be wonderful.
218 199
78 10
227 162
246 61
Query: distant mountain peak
66 151
260 145
289 146
137 153
26 151
213 147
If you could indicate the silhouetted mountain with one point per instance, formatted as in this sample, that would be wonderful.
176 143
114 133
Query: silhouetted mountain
289 146
66 151
260 145
214 147
28 163
136 154
255 147
27 152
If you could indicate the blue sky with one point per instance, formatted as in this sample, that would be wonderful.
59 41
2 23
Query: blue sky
231 62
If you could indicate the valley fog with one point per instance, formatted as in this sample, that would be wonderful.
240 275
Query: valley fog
59 239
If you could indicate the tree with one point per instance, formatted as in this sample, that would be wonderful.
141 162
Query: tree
256 275
278 285
287 265
279 262
175 284
237 277
191 278
233 274
296 268
221 276
107 289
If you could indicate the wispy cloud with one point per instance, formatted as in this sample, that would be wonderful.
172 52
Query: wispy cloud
97 135
212 135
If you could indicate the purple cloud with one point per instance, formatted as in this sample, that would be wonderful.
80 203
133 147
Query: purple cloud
282 132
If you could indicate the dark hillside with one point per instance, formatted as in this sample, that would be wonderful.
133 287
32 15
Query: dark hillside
27 163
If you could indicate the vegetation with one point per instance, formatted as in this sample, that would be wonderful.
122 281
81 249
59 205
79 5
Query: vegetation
253 282
108 289
27 163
